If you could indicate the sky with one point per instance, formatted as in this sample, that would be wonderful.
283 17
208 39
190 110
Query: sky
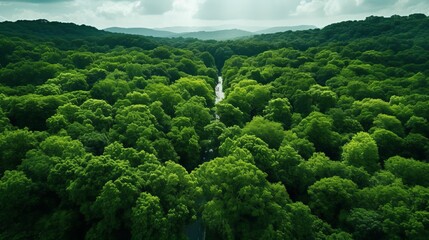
250 14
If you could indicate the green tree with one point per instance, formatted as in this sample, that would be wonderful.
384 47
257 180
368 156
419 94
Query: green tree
187 66
81 59
240 203
70 81
185 141
40 108
18 199
412 172
362 151
52 150
287 171
318 129
165 94
367 109
178 193
196 111
416 146
256 151
208 59
189 87
14 145
133 123
366 224
110 90
390 123
279 110
323 97
319 166
148 221
249 96
4 121
303 147
230 115
389 144
270 132
211 136
161 53
331 196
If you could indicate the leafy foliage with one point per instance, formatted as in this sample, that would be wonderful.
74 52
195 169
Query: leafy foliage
323 134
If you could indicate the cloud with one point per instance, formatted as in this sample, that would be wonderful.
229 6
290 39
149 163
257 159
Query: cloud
36 1
414 5
129 8
162 13
342 7
156 7
246 9
113 9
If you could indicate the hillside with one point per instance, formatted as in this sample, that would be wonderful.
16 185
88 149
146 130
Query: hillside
141 31
322 134
219 35
285 29
212 33
45 29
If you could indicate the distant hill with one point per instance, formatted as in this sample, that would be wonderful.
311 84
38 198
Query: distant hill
204 33
217 35
71 36
142 31
45 29
185 29
285 29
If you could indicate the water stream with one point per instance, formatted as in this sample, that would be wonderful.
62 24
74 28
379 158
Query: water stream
220 95
196 230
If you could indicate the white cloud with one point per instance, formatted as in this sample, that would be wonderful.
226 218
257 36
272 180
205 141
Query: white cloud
115 9
161 13
246 9
309 7
36 1
156 7
343 7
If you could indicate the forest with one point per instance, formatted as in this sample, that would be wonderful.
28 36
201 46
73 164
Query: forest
323 133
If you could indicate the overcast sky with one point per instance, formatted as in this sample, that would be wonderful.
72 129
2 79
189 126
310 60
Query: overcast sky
167 13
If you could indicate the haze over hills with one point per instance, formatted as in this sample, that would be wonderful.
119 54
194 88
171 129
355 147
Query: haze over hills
142 31
205 33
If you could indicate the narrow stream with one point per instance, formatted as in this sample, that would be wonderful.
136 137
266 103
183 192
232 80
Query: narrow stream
220 95
196 230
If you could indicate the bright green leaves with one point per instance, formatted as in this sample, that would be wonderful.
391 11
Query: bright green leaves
18 197
70 81
271 132
31 110
362 151
196 111
329 196
148 221
411 171
185 141
240 202
189 87
14 145
230 115
135 147
249 96
318 129
279 110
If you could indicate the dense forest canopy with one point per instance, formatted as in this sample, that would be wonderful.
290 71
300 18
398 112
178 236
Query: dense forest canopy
323 134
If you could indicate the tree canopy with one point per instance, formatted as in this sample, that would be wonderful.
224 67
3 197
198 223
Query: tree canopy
322 134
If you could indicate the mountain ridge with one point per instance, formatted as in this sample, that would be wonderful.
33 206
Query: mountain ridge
209 34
